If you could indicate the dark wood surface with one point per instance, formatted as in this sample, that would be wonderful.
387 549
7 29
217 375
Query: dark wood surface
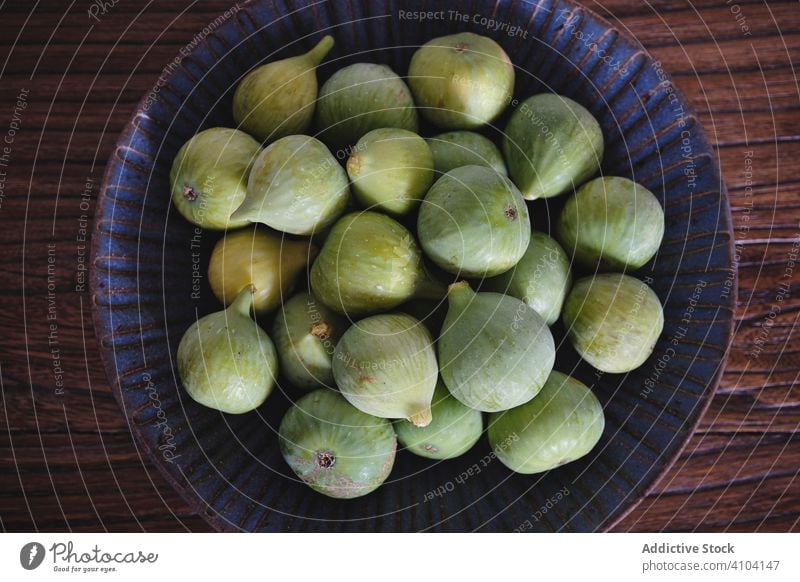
67 460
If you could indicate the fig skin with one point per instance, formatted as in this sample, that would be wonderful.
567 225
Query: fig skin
551 145
277 99
454 149
611 223
360 98
495 352
542 277
370 263
305 333
385 365
208 179
226 361
562 424
391 170
461 81
454 430
613 321
336 449
296 186
261 258
474 223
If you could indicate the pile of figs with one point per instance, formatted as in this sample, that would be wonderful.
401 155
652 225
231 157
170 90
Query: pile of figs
391 283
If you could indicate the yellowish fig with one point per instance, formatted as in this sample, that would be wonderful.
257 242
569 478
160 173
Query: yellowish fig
263 259
277 99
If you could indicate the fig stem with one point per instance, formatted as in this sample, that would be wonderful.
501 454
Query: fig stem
460 293
244 301
422 417
320 51
458 287
321 330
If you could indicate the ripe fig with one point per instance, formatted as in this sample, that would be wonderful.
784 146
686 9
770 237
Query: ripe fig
305 333
208 179
385 365
541 278
613 321
562 424
495 352
296 186
454 430
391 169
226 362
461 81
551 145
370 263
360 98
613 223
263 259
336 449
474 222
465 148
277 99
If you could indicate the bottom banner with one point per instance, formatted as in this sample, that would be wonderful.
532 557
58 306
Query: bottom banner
398 556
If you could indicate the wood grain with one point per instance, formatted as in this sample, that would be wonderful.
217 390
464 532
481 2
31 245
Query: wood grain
68 462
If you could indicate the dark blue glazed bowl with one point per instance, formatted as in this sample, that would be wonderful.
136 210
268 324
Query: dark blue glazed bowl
148 286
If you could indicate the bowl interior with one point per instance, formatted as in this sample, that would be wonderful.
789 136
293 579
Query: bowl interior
149 284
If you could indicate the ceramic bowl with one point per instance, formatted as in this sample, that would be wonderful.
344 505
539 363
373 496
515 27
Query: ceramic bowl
148 283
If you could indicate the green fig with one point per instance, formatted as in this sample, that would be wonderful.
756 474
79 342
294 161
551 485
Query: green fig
461 81
360 98
454 430
613 321
226 362
391 169
305 333
385 365
208 179
336 449
613 223
562 424
370 263
541 279
277 99
495 352
296 186
474 222
263 259
465 148
552 145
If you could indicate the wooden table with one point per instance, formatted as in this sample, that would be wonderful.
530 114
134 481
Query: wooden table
70 80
